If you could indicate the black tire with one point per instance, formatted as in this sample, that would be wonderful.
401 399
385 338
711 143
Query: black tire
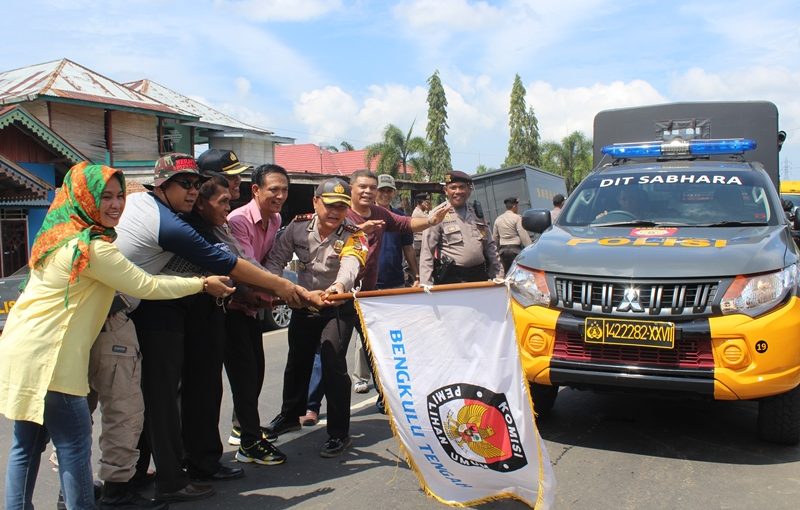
276 318
779 418
544 398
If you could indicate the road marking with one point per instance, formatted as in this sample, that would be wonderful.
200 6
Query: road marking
353 408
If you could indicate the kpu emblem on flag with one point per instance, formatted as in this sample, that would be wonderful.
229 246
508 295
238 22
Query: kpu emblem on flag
475 427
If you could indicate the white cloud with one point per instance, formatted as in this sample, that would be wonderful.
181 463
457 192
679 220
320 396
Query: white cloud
446 15
242 85
327 112
477 113
281 10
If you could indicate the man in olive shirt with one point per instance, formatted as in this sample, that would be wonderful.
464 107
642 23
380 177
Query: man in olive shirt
461 243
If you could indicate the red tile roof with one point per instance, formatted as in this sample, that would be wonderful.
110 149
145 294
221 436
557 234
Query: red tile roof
310 158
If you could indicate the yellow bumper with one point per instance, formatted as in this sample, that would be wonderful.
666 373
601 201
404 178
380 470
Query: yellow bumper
753 358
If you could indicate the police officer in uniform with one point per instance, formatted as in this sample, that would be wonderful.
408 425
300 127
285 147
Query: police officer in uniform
461 248
331 252
508 233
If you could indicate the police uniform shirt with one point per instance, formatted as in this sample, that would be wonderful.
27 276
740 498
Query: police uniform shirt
508 230
418 213
467 241
322 262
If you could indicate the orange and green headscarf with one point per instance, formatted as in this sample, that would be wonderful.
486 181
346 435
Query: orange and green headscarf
75 213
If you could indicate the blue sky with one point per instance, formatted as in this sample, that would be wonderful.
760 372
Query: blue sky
324 71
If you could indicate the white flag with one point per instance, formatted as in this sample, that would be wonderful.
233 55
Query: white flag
452 380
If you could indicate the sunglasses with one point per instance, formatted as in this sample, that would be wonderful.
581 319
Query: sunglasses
188 184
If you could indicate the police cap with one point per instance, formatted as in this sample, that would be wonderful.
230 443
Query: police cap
457 176
422 196
333 191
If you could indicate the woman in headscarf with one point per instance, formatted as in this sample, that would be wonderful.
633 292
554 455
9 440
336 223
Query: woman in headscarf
44 349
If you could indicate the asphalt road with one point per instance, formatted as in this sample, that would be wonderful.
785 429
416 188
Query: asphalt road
608 452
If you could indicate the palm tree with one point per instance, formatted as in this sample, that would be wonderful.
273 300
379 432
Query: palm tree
572 158
397 151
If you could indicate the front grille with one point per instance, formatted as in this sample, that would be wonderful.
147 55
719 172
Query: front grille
692 350
644 297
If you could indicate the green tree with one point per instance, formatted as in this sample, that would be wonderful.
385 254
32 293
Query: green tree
436 131
482 169
396 152
523 141
572 158
347 146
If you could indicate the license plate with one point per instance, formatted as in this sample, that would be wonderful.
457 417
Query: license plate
660 335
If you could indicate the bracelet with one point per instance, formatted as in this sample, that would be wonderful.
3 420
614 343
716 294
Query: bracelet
205 285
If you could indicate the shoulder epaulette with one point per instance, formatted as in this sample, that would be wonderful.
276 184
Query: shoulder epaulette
304 217
352 228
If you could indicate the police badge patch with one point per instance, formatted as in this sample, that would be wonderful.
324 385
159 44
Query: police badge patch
475 427
338 245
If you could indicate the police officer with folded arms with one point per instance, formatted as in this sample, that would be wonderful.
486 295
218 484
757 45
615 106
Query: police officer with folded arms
460 248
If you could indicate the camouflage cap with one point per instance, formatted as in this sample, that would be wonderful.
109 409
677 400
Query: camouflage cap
170 165
333 191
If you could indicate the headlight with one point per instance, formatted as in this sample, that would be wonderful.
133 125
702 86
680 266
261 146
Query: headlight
755 295
528 286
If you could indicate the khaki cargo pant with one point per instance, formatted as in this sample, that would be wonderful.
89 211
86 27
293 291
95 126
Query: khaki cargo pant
115 376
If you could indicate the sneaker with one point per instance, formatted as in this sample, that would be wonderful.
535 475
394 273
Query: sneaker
235 439
262 452
334 446
281 425
310 419
361 386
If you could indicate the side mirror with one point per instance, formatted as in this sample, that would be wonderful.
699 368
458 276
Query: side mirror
536 220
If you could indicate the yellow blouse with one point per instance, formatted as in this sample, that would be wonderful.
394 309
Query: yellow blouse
45 344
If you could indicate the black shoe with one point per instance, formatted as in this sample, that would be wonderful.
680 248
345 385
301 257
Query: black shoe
62 505
131 501
282 425
140 482
334 447
192 492
262 452
223 474
380 405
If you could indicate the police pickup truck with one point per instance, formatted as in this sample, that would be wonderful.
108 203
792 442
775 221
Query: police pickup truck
671 269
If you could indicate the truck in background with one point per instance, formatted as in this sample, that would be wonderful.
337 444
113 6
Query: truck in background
790 191
533 187
758 120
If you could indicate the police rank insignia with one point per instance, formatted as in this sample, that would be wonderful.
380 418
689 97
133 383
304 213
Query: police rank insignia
476 428
338 188
338 246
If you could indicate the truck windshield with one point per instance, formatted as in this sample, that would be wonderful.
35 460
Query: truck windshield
659 198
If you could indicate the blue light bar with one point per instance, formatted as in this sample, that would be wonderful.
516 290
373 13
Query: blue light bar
698 147
727 146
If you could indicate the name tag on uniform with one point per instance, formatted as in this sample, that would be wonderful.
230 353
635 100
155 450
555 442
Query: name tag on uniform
338 246
119 349
449 229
